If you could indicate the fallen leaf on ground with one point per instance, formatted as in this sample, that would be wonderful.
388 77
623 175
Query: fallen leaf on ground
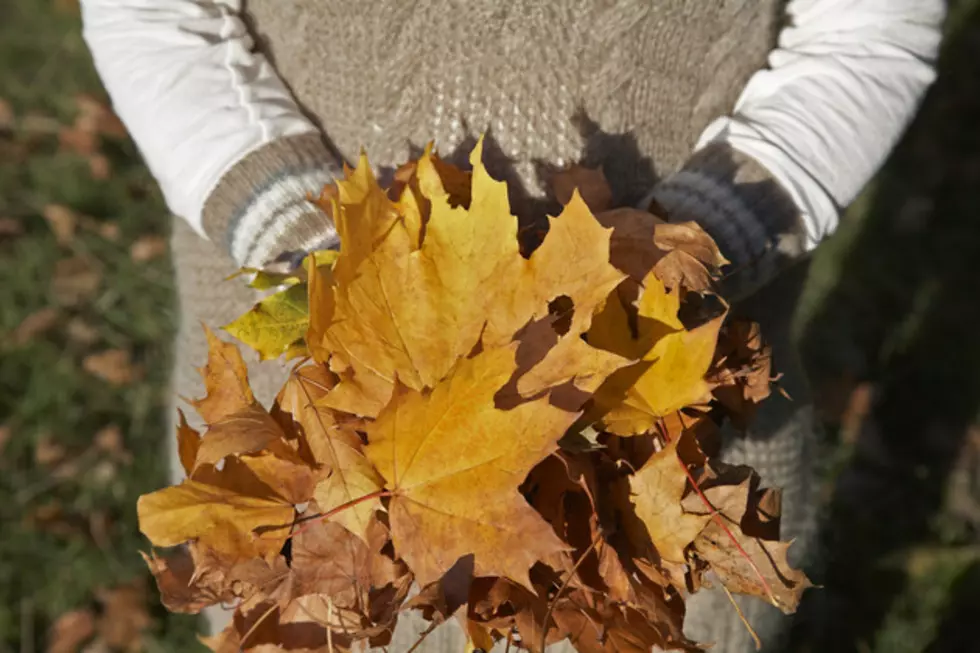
7 116
124 617
70 631
75 280
62 221
47 451
79 331
10 228
36 324
114 366
147 248
110 440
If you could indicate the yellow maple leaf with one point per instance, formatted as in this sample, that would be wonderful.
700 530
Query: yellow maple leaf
276 324
657 489
225 379
221 518
454 461
402 306
674 361
346 474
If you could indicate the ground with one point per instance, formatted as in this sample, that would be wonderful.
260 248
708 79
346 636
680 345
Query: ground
888 325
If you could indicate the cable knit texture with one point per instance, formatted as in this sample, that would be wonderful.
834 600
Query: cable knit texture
626 85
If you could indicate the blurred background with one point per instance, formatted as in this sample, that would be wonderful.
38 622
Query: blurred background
889 326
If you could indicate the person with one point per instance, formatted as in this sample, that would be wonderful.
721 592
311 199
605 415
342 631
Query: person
761 120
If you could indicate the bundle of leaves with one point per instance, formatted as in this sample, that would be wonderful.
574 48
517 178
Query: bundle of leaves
522 424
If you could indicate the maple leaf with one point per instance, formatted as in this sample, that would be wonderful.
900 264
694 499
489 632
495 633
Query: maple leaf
226 381
409 307
754 562
276 325
218 517
188 443
657 490
246 431
674 362
337 448
449 502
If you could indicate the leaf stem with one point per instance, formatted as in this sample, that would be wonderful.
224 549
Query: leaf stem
564 584
377 494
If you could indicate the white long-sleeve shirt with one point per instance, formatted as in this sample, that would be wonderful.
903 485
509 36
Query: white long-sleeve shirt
842 84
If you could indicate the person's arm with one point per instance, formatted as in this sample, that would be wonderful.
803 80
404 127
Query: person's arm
769 182
200 102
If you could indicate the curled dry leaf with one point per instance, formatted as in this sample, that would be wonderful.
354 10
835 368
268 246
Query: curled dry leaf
518 431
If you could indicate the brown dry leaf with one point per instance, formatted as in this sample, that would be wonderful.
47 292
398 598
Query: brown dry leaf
62 221
751 516
590 184
175 579
7 116
334 446
48 452
188 442
225 380
78 140
147 248
219 518
10 228
452 502
5 434
81 332
331 562
657 490
742 371
36 324
692 260
124 617
75 280
99 167
70 631
110 440
114 366
247 431
715 547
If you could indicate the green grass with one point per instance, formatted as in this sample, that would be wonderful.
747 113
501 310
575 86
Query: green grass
44 392
893 300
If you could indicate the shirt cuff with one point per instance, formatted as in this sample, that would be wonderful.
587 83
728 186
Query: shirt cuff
261 208
743 207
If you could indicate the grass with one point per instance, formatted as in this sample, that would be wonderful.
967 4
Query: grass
892 302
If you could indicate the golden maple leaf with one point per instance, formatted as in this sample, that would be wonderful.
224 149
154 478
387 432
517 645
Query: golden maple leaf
449 502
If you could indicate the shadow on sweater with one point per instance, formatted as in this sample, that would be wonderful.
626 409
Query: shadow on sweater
904 315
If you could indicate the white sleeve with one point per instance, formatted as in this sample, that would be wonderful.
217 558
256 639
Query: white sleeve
184 79
843 83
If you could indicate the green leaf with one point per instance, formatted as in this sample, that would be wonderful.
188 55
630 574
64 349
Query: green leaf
276 325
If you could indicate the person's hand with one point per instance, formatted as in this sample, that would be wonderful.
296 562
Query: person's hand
753 220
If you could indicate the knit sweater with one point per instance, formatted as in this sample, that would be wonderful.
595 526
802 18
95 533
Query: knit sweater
628 86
